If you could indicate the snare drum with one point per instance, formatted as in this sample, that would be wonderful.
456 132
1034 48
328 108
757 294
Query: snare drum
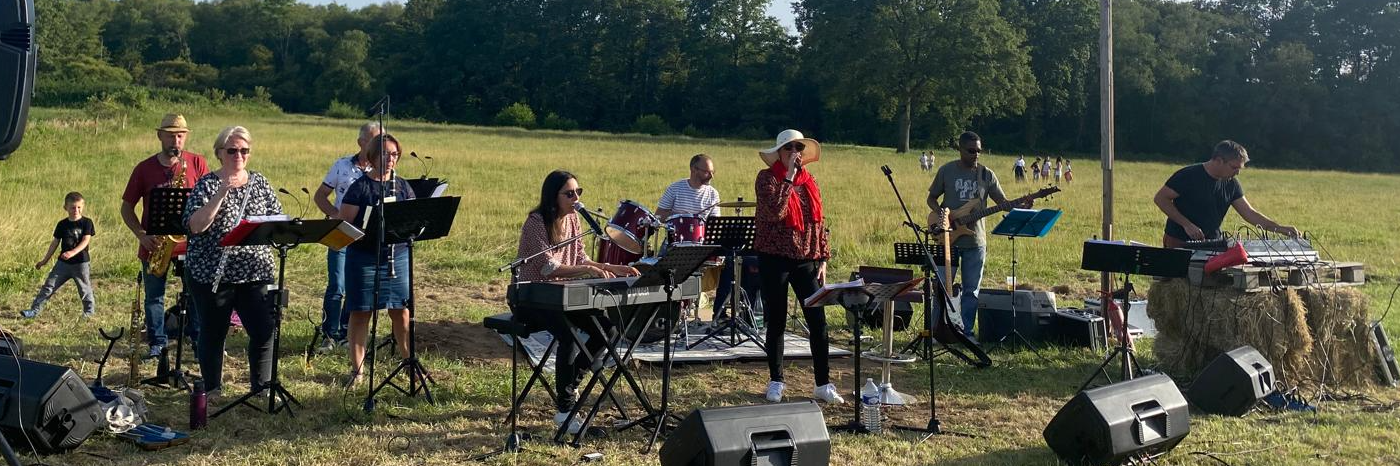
631 227
687 229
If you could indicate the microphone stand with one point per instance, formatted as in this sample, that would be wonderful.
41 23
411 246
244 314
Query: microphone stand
922 237
381 108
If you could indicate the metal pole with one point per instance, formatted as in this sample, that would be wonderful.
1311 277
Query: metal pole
1106 125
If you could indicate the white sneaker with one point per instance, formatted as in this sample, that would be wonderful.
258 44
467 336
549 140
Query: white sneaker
775 391
829 394
574 427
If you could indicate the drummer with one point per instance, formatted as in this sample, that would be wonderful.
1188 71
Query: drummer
696 196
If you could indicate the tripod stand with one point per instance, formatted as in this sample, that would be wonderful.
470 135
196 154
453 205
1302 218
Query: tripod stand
167 210
413 220
1129 259
735 234
1025 223
282 235
680 261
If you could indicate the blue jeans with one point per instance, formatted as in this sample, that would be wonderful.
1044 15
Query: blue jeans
155 307
972 260
333 319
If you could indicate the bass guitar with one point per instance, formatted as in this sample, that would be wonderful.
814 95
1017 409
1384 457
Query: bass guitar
974 210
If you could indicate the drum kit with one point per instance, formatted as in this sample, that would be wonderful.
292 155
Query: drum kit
637 237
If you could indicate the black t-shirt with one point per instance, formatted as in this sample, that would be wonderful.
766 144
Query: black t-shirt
69 233
1203 199
365 192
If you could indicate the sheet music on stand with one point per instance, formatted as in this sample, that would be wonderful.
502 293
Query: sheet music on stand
875 292
733 233
167 211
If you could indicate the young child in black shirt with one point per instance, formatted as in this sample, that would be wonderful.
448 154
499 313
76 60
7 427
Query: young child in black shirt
73 234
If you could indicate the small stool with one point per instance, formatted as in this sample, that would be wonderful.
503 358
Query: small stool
506 324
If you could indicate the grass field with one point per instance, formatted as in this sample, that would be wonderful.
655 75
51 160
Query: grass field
497 172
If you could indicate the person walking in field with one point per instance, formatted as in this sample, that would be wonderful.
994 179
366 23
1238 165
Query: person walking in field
1035 170
1020 169
1059 166
1069 172
73 234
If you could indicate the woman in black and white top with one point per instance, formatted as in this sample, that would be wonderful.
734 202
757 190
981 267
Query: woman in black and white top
234 277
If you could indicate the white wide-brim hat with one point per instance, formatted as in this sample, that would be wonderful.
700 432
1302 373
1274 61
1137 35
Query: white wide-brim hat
811 151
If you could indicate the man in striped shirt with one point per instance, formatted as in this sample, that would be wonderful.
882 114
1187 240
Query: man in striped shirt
692 195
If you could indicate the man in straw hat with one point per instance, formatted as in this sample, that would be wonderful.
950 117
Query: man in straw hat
957 183
159 171
793 246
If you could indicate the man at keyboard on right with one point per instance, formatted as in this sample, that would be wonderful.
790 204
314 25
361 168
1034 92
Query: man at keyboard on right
1197 197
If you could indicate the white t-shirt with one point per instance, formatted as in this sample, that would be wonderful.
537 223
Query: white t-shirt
1020 162
342 174
680 198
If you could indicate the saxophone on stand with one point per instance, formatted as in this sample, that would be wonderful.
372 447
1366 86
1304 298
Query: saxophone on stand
133 359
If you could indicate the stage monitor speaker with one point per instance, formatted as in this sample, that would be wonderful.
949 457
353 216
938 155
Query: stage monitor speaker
1116 423
1233 383
11 346
46 406
769 434
17 63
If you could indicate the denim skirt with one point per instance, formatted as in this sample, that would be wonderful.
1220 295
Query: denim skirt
359 280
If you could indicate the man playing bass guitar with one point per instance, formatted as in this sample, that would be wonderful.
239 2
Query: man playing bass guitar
959 183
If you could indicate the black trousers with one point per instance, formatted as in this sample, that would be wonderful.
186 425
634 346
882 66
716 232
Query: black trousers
570 365
254 306
777 274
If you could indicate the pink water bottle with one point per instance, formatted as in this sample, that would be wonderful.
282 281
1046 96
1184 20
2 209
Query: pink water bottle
199 406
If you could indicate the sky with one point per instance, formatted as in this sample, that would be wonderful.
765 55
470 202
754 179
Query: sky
780 9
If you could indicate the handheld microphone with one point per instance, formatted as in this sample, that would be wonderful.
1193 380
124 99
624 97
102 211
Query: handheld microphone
592 224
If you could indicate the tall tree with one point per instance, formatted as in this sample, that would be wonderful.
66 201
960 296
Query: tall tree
957 56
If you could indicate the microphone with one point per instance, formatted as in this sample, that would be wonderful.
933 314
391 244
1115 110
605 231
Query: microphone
427 169
299 201
592 224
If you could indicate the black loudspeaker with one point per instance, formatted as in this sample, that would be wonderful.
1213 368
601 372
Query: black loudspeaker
1233 383
46 406
1115 423
17 64
770 434
11 346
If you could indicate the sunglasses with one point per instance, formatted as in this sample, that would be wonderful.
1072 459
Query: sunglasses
237 151
794 146
572 193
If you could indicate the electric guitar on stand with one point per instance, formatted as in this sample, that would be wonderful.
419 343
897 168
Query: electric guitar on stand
972 211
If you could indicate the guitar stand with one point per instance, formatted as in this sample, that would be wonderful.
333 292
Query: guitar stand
111 342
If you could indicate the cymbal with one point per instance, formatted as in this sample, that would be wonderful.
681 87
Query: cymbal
737 204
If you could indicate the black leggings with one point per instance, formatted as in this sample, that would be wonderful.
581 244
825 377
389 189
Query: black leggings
570 365
254 307
776 274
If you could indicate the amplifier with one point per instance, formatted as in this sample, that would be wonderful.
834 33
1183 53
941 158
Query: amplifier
994 324
1076 327
1042 302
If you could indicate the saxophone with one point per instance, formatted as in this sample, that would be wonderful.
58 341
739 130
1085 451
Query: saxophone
133 359
165 245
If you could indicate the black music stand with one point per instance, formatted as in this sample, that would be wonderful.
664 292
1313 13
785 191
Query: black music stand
857 300
423 187
282 235
679 261
1129 259
734 234
408 222
1023 223
166 219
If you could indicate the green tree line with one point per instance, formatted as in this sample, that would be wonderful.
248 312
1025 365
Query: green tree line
1304 83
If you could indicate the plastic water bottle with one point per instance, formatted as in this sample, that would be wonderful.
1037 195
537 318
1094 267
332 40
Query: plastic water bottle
870 406
199 406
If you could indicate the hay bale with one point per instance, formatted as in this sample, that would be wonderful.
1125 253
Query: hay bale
1343 354
1311 337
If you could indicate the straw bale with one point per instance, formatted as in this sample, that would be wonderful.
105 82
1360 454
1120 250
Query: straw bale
1309 336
